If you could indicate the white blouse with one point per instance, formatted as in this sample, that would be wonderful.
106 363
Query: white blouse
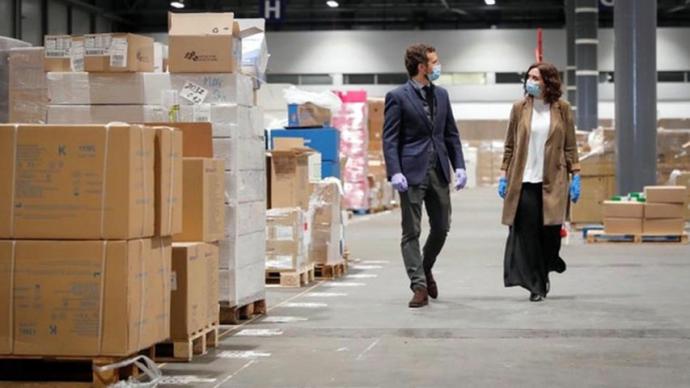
541 124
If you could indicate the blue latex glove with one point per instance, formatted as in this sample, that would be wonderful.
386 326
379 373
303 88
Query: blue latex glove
575 188
502 187
460 179
399 182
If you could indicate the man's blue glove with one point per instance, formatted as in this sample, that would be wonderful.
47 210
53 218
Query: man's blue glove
575 188
399 182
460 179
502 187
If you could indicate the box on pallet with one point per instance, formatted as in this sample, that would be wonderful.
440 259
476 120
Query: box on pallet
243 250
194 300
28 93
168 176
77 182
245 186
244 218
119 52
324 140
289 174
240 154
63 53
88 298
666 194
203 43
666 226
326 223
243 285
595 190
623 226
286 239
203 199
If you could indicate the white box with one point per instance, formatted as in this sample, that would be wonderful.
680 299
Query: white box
145 88
245 186
243 250
245 218
243 285
242 155
229 120
103 114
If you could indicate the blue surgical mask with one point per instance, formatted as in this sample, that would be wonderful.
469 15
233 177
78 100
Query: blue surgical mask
435 73
533 89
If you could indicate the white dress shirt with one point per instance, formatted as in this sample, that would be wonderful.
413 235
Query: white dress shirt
541 124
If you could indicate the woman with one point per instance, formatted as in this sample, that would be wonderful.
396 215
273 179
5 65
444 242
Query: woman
540 155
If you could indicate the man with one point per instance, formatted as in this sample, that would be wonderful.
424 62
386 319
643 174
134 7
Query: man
419 140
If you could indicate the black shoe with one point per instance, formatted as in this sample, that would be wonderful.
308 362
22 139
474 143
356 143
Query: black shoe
536 298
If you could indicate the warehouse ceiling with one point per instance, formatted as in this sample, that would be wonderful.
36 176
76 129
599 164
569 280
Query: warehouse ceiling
150 15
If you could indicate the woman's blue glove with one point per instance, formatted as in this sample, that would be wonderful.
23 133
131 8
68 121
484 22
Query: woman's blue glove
502 187
575 188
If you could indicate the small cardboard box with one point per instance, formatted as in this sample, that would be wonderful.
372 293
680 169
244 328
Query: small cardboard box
613 209
672 226
77 181
326 227
203 43
194 302
666 194
63 53
88 298
308 115
116 53
663 210
203 199
285 239
623 225
289 174
168 167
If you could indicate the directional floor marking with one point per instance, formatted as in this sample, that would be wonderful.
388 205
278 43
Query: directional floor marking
363 276
259 333
325 294
344 284
305 305
250 354
185 380
277 319
365 267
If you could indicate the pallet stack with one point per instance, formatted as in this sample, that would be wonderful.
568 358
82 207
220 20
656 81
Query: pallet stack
85 256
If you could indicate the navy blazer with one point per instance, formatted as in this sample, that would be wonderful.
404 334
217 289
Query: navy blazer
408 134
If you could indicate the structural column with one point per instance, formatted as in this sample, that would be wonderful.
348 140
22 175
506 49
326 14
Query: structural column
587 73
635 91
570 83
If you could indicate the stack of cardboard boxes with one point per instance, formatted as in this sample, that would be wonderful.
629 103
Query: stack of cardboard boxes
659 212
28 94
87 215
6 45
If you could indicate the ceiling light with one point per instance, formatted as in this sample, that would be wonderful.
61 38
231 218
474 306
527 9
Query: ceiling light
490 2
332 4
177 4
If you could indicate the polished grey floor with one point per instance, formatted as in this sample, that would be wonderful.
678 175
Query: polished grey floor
619 317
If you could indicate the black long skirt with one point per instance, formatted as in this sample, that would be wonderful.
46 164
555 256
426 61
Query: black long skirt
532 249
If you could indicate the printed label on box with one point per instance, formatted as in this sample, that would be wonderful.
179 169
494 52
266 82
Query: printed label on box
118 52
201 113
97 44
193 93
58 46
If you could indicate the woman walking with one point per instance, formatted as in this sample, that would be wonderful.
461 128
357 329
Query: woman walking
539 159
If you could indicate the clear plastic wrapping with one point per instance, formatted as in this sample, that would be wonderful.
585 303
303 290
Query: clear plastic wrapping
351 120
286 241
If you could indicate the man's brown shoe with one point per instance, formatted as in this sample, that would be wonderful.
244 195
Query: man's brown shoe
431 286
420 298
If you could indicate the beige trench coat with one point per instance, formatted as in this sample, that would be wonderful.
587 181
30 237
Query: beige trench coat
560 159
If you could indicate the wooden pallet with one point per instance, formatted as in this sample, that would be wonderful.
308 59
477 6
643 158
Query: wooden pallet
185 349
596 236
233 315
330 271
65 371
291 278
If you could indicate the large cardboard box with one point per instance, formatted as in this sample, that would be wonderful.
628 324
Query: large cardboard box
28 93
194 302
168 175
663 210
286 242
242 154
113 53
623 225
670 226
595 190
84 298
243 250
203 43
244 218
196 138
77 182
326 224
666 194
63 53
203 200
617 209
148 88
289 174
245 186
243 285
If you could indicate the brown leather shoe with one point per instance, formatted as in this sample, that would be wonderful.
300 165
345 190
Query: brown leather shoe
420 298
431 285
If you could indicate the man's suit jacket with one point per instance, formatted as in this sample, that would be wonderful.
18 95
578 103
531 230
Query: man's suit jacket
408 134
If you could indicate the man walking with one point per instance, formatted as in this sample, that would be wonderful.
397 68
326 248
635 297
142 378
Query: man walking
419 139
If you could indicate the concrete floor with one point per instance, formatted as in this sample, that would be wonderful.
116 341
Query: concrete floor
619 317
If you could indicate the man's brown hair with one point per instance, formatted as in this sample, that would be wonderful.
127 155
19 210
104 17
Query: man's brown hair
416 55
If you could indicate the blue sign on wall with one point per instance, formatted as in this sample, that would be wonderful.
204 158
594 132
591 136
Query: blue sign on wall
272 10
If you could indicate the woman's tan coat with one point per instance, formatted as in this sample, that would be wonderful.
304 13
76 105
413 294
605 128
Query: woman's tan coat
560 159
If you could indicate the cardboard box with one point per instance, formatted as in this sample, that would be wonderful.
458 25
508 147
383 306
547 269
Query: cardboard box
666 194
88 298
63 53
670 226
289 174
77 182
244 218
376 108
104 114
595 190
168 167
203 43
614 209
242 154
147 89
326 224
623 225
241 251
286 242
243 285
28 93
196 138
194 302
229 120
308 115
663 210
112 53
202 199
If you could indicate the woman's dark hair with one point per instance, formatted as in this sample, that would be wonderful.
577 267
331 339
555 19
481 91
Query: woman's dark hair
416 55
552 81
